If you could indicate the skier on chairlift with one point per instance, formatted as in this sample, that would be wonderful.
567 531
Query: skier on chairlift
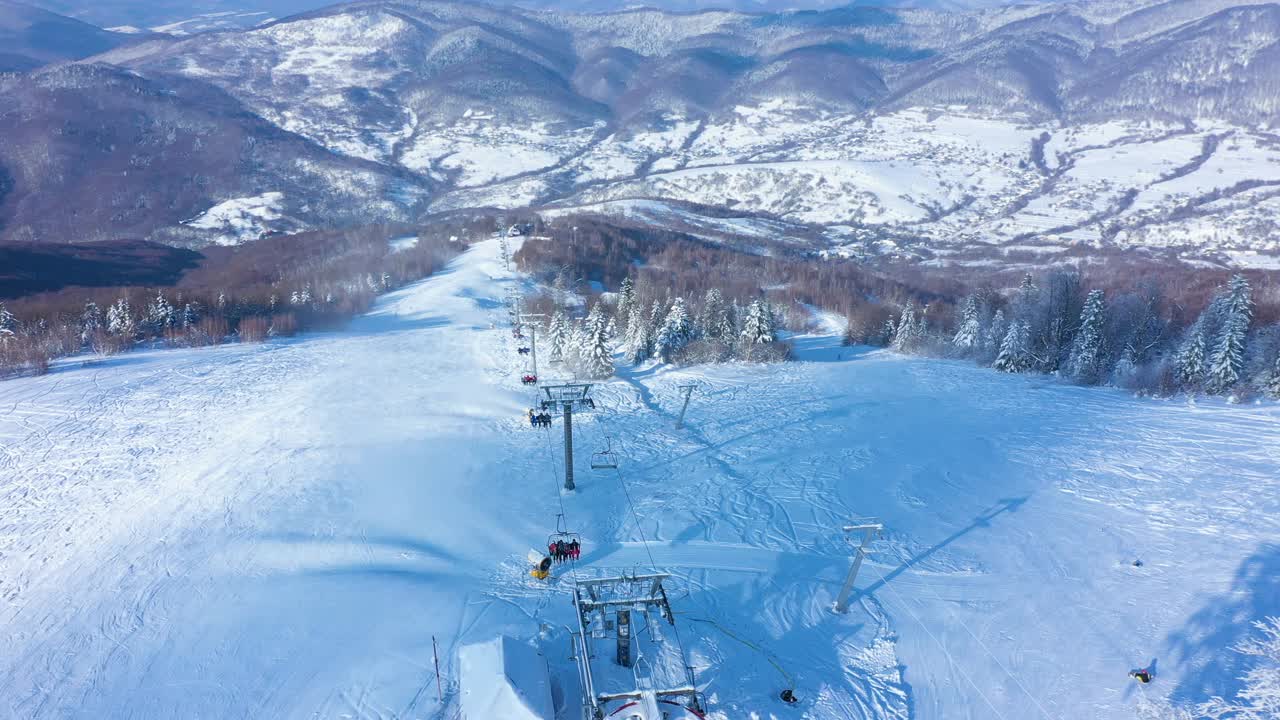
575 549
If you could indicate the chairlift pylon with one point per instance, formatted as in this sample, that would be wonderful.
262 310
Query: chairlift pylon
605 459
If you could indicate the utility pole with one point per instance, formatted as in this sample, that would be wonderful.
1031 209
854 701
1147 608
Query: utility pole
688 391
567 397
869 530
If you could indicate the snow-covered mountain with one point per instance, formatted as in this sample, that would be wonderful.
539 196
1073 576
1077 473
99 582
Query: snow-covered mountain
872 130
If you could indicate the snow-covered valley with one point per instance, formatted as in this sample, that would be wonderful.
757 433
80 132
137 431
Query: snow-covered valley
281 530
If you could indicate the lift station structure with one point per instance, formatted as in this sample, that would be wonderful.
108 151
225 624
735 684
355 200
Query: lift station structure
645 675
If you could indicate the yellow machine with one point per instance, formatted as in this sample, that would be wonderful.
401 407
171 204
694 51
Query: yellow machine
541 565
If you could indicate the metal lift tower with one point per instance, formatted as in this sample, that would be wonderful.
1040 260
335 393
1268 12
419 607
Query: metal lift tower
869 530
567 398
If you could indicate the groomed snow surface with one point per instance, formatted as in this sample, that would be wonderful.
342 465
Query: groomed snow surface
280 530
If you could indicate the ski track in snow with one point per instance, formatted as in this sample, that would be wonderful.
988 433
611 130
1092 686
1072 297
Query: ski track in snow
279 530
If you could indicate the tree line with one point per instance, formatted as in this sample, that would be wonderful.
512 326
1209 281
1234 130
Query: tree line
1055 324
273 287
646 323
1154 326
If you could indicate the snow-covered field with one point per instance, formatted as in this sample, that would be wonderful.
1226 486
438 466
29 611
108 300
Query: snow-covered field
280 530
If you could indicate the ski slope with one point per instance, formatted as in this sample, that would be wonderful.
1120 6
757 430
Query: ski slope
280 530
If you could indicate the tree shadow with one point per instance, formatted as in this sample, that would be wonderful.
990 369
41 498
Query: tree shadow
983 520
826 348
1203 645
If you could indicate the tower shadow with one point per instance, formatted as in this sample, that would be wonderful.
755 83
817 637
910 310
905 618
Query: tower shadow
1004 505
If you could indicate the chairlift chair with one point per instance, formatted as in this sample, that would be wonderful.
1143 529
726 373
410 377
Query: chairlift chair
605 459
562 533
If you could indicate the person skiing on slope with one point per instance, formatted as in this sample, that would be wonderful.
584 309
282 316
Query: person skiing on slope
1142 675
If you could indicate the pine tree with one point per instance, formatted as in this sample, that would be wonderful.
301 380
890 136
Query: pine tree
596 358
190 316
574 342
8 324
1126 366
1228 353
1189 363
160 315
717 319
968 336
626 296
995 333
757 328
90 321
1086 351
120 320
639 336
1015 353
675 333
904 337
887 331
557 334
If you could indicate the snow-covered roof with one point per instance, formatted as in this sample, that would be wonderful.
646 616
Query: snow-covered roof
504 678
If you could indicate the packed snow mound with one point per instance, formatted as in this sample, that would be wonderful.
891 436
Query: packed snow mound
504 678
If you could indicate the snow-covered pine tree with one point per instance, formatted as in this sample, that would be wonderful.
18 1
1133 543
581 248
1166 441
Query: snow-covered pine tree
1189 363
904 338
969 335
626 296
757 327
1015 351
1125 367
189 316
8 324
639 336
1228 353
714 321
995 333
574 346
1259 694
120 320
675 333
597 360
160 315
90 321
1086 351
557 334
887 331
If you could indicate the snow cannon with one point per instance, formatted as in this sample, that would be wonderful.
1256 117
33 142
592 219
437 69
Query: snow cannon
541 565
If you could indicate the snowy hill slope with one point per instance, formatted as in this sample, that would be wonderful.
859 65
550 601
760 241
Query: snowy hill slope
280 530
